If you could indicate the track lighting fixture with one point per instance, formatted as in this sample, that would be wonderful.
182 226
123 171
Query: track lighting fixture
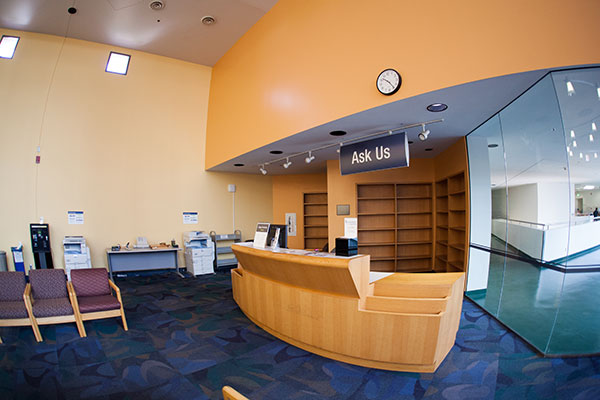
424 133
570 88
594 126
574 143
598 91
309 158
591 137
286 163
572 133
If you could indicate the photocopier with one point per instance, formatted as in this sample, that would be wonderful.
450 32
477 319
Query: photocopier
77 254
199 253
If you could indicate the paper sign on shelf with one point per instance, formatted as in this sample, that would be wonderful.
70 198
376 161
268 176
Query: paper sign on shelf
351 228
75 217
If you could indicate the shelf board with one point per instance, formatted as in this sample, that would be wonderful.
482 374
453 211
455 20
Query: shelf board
442 212
376 198
414 212
458 228
418 257
444 242
378 213
315 226
383 259
414 242
458 246
315 237
456 192
412 197
376 229
456 265
442 257
443 226
401 228
315 215
441 195
458 210
375 244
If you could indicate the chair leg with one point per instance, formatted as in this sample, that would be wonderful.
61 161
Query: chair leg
36 330
123 318
80 326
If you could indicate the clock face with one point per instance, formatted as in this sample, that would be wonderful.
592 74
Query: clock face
389 81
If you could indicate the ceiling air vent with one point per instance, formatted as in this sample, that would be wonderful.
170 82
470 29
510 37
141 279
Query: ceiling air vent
157 5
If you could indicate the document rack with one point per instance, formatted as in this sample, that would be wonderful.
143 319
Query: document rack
224 257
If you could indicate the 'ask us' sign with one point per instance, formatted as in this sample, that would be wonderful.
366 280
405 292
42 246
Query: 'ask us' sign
376 154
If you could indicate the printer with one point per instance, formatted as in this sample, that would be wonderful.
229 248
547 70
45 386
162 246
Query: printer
199 253
77 254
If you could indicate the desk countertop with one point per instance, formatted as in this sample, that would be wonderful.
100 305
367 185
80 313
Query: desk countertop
146 250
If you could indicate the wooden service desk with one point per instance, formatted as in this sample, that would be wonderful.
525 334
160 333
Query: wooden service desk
325 304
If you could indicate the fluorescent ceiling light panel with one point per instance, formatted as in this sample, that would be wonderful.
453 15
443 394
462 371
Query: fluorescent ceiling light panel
8 44
588 187
118 63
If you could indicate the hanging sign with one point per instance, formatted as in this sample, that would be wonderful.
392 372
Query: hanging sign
372 155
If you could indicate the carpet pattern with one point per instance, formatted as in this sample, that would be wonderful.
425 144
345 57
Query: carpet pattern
188 338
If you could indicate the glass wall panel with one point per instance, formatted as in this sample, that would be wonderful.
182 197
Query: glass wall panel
577 327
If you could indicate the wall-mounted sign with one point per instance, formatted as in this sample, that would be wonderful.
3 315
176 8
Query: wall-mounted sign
75 217
290 221
376 154
190 218
351 228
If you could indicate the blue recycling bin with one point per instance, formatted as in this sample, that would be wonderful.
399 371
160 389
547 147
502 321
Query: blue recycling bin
17 253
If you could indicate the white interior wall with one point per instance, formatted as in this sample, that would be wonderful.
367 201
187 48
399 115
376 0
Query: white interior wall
523 203
553 203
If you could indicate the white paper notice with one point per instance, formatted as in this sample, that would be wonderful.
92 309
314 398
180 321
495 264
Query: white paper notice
190 218
351 228
290 220
260 236
75 217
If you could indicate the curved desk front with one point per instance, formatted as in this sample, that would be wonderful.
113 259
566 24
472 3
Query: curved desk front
326 305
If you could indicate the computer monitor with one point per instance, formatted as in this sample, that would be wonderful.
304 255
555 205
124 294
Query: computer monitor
282 235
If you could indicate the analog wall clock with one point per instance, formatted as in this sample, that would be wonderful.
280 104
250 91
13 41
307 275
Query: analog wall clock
389 81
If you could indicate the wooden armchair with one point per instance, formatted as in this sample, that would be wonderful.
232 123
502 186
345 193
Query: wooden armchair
94 299
49 301
13 312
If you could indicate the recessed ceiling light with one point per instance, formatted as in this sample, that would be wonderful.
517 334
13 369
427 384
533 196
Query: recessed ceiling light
208 20
429 149
8 44
492 145
238 165
118 63
437 107
72 10
337 133
276 152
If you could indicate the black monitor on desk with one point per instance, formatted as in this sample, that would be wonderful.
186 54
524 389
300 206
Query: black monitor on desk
282 235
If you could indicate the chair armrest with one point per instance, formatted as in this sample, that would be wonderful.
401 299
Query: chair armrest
28 299
73 297
116 289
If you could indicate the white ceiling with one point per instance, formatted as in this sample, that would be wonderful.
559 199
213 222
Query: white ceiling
132 24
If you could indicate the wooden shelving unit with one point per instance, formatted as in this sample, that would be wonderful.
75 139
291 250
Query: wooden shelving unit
395 226
315 220
451 234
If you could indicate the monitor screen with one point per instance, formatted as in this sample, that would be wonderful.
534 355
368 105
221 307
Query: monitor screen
282 235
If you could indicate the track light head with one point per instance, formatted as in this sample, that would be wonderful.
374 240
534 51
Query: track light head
424 133
309 158
263 170
287 163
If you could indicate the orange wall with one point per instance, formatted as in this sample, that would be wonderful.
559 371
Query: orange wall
308 62
288 198
452 160
342 189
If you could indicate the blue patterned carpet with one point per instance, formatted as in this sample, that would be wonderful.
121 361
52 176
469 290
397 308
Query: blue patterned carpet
188 338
